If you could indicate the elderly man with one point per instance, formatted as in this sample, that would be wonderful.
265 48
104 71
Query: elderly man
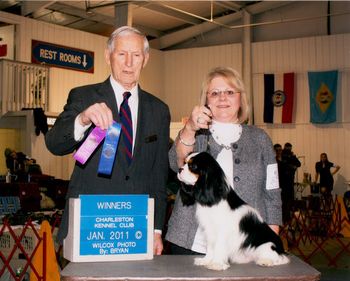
142 155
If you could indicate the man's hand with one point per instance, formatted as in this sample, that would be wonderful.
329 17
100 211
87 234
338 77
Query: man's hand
99 114
157 244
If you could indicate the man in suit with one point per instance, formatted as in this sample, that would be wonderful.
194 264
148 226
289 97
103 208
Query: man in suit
98 105
290 163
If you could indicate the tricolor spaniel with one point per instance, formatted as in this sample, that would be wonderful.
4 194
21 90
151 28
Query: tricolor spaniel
235 232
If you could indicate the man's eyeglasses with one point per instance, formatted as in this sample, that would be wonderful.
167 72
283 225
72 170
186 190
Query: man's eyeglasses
217 93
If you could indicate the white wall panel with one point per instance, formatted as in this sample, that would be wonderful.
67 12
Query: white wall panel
185 71
345 97
151 78
309 140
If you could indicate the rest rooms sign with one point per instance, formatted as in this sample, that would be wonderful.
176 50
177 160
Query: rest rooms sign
61 56
113 224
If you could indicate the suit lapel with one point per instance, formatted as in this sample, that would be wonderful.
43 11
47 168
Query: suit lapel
106 91
141 123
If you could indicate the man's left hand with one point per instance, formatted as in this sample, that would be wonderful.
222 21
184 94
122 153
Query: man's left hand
157 244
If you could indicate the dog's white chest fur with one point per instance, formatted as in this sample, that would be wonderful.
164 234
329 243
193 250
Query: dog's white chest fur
220 222
217 217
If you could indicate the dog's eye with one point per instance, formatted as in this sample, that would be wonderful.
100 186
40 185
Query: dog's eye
191 166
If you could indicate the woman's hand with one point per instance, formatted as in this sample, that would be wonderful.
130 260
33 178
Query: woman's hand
275 228
200 118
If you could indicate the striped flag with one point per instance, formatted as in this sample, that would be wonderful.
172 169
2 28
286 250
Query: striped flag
3 50
323 96
278 98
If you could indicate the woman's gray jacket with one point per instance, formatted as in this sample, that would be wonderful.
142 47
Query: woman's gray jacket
252 154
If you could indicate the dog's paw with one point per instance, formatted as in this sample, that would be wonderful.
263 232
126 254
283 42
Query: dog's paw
217 266
272 261
201 261
265 262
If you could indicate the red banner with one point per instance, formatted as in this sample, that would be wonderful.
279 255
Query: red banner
3 50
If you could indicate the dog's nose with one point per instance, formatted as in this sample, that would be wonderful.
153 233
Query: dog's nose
180 170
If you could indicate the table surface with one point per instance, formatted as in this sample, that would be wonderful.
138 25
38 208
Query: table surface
173 267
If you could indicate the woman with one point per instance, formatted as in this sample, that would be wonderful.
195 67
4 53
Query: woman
244 152
323 171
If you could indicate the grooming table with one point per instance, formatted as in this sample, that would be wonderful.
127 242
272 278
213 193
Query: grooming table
181 268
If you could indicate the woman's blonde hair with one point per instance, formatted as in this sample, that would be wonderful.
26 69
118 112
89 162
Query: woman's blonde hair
233 78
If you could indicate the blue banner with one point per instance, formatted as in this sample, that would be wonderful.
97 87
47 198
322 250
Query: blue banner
109 150
113 224
62 56
323 96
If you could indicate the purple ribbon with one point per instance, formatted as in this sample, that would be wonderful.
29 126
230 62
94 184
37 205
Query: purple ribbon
89 145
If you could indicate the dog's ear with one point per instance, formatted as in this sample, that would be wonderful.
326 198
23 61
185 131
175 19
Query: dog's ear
187 194
211 185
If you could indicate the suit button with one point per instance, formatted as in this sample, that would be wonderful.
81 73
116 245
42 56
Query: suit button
127 178
235 146
236 179
237 161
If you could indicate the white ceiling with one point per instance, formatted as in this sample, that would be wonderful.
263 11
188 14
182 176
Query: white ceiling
180 24
166 23
158 17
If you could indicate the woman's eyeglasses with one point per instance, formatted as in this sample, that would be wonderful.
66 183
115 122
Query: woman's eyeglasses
217 93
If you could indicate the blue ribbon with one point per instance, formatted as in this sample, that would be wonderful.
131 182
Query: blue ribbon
109 149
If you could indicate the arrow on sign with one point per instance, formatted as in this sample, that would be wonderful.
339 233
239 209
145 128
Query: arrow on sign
84 61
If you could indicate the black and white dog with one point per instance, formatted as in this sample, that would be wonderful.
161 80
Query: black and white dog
235 232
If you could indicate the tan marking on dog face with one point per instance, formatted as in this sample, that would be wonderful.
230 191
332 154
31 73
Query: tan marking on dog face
185 175
190 156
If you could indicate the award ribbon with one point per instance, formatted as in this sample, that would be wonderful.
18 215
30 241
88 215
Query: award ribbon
109 149
90 144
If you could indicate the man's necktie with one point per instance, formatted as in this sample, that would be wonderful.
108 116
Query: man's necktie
125 118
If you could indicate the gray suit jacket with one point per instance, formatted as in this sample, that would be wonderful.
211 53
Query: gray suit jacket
148 171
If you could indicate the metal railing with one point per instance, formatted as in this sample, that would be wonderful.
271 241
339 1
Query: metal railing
23 85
